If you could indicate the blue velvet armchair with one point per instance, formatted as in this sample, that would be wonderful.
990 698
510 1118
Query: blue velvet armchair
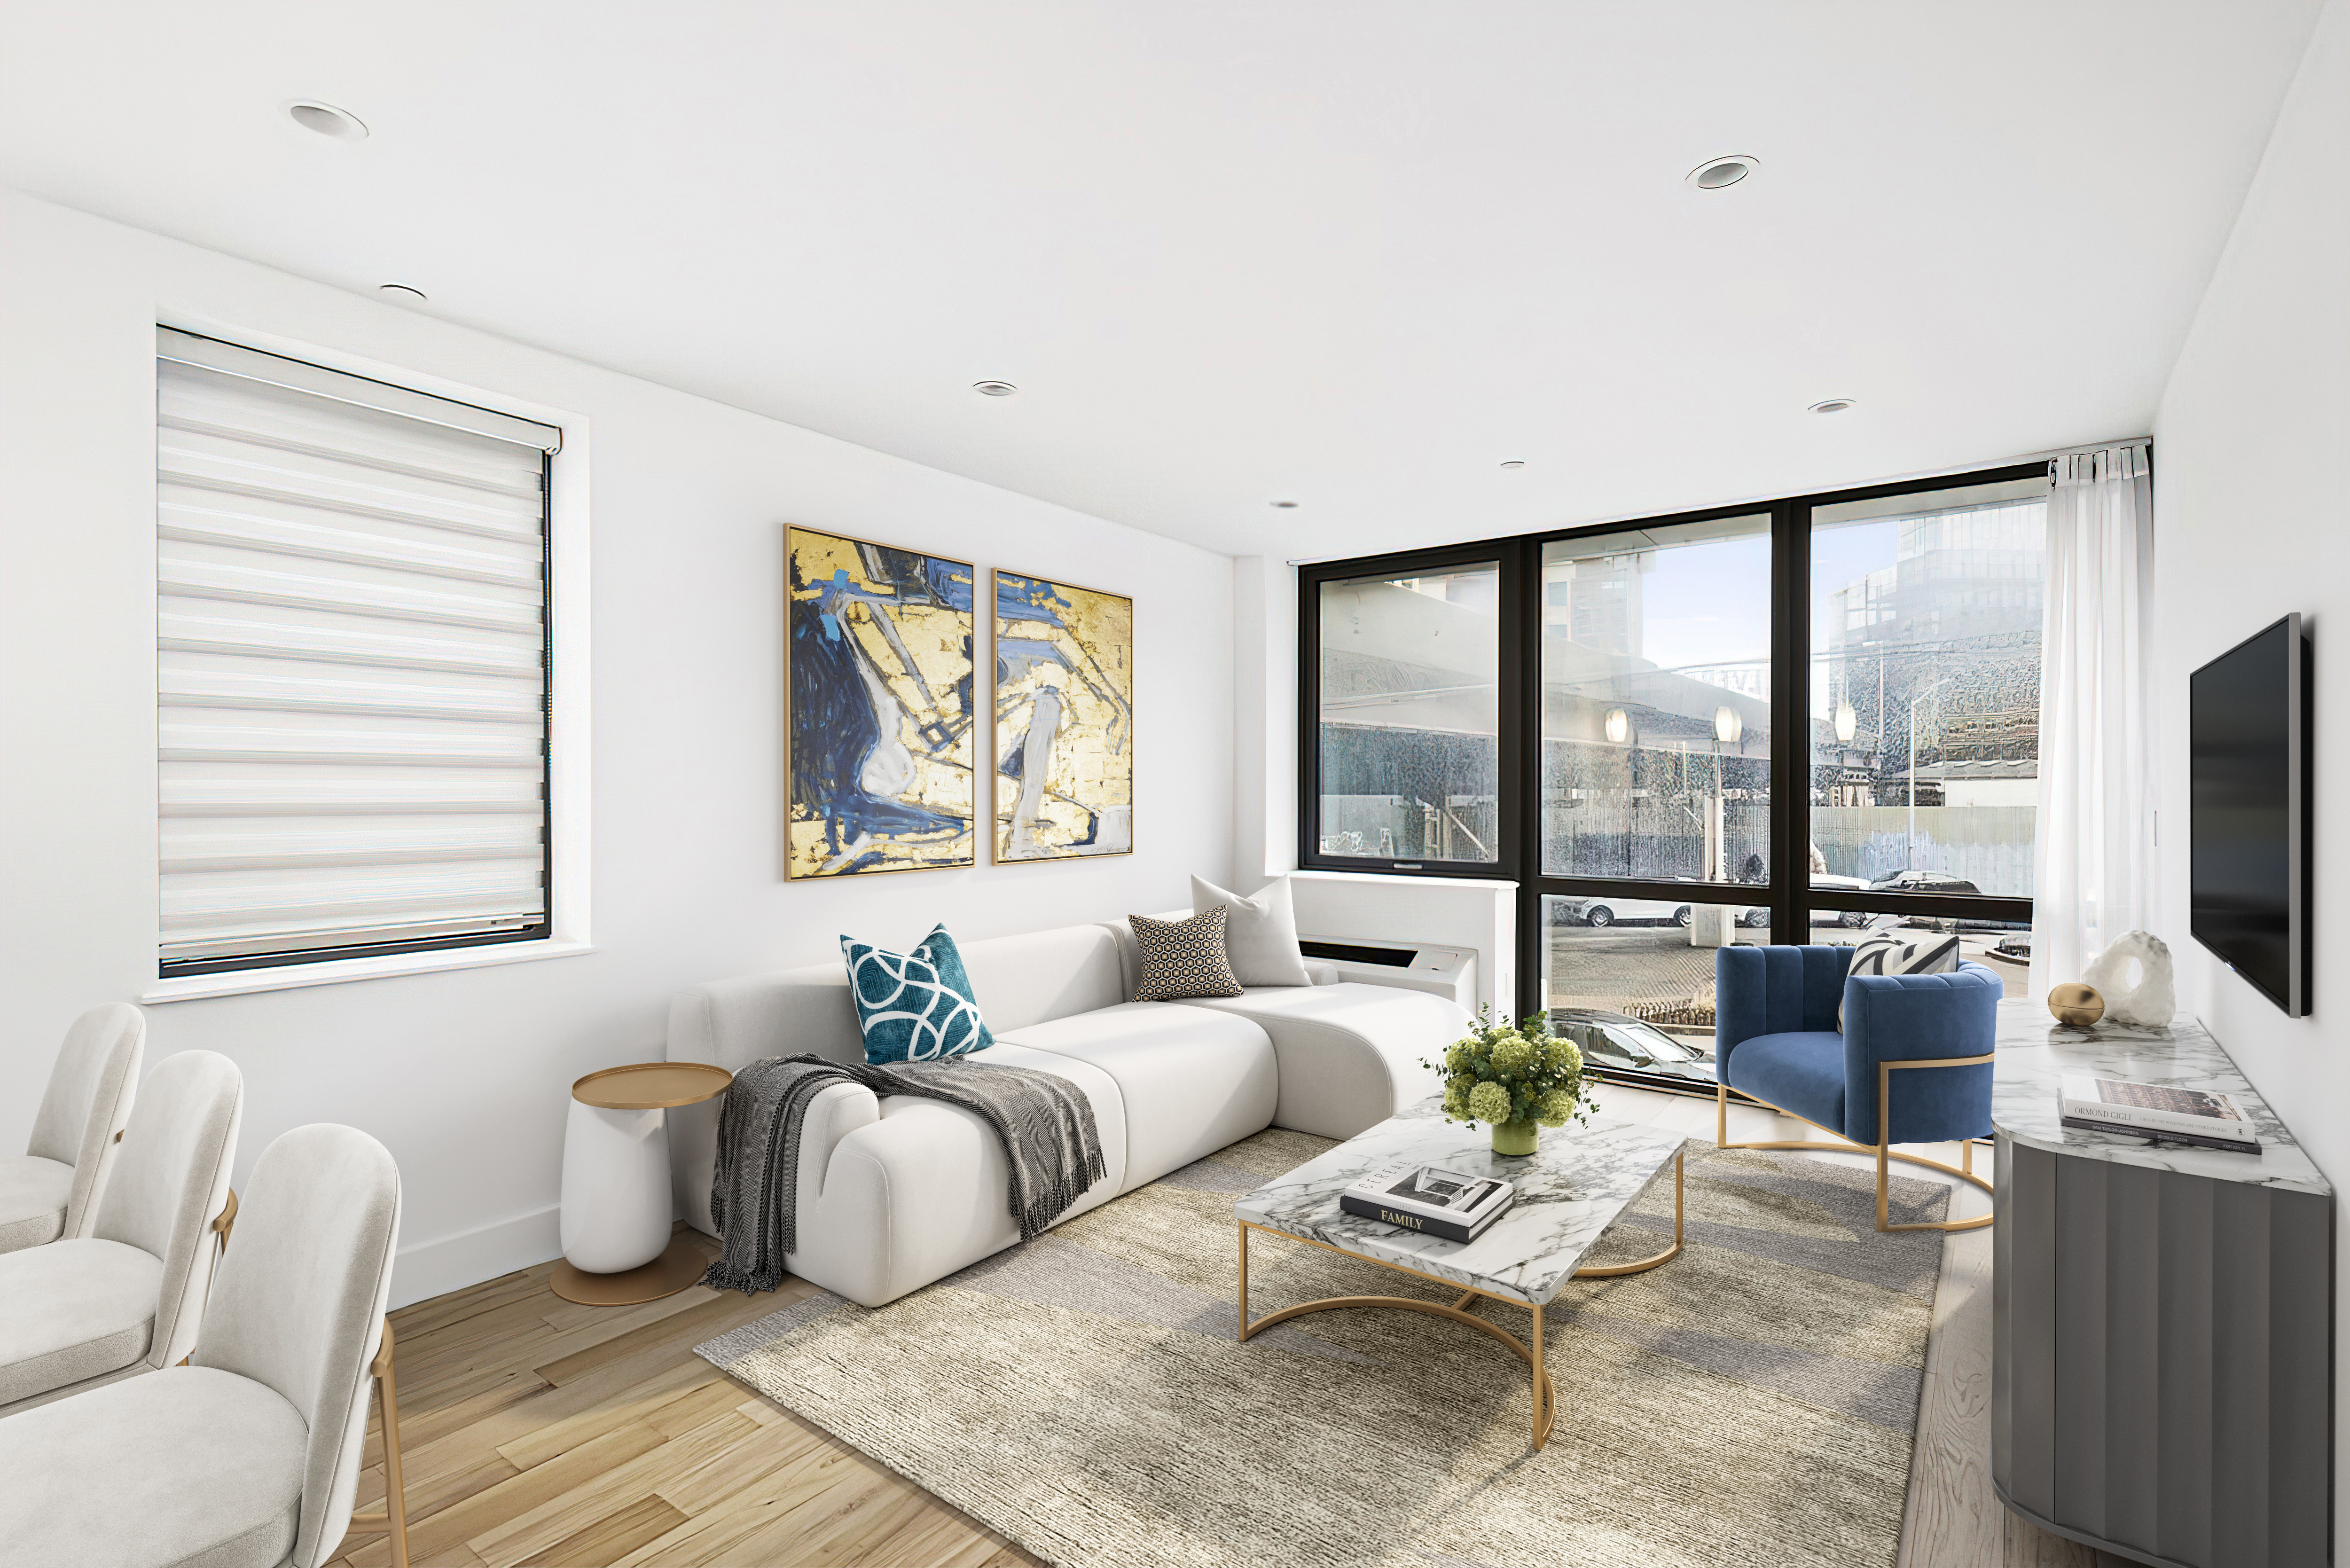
1912 1063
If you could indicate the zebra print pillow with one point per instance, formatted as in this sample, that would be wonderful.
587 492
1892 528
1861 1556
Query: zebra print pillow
1882 953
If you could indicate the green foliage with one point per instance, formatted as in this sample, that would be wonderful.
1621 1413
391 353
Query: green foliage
1507 1072
1489 1102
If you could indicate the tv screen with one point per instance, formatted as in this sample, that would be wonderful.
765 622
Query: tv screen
2249 817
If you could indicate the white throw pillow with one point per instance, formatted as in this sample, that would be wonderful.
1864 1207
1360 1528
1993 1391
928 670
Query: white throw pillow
1882 953
1261 932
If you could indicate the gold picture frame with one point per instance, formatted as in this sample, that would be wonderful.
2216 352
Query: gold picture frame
1061 720
880 708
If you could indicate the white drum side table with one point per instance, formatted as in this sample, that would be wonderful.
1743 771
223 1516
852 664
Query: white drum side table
617 1245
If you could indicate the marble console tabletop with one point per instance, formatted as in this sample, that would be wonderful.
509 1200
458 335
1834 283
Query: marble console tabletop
2035 1052
1568 1191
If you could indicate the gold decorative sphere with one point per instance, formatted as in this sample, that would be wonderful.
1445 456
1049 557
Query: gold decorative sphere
2077 1004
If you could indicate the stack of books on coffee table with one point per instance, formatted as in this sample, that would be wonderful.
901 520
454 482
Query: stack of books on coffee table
1431 1200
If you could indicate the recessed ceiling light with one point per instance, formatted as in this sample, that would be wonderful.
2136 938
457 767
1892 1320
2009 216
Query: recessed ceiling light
327 121
1832 406
402 292
993 389
1513 463
1719 173
1285 505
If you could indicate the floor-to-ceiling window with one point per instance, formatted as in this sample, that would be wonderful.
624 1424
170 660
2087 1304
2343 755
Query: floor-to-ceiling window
1780 722
1925 704
1655 774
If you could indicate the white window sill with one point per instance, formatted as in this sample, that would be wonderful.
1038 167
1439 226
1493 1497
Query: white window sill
338 971
1392 878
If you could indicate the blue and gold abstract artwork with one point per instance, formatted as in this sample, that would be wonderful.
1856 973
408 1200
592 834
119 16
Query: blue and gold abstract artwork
881 721
1063 720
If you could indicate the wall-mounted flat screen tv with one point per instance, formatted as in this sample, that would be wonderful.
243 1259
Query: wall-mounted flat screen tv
2249 811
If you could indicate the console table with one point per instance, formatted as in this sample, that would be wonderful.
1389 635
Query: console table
2162 1375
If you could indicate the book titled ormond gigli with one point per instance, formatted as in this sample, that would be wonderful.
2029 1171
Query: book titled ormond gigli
2203 1117
1433 1201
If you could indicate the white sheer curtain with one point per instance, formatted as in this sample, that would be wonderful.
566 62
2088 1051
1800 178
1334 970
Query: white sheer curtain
2093 873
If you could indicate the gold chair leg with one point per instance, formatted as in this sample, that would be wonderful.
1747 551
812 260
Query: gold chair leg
1883 1152
394 1517
1884 1177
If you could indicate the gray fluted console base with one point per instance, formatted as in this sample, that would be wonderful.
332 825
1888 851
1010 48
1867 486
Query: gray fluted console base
2162 1366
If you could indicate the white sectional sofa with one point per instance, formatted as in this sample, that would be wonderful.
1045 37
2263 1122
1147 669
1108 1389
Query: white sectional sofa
898 1191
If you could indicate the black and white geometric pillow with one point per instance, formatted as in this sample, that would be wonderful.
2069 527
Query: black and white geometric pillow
1882 953
1183 958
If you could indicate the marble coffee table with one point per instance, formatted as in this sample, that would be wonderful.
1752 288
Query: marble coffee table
1576 1185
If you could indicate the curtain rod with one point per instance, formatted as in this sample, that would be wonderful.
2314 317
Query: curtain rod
2048 456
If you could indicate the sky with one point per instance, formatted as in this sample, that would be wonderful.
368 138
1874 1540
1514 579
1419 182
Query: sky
1721 586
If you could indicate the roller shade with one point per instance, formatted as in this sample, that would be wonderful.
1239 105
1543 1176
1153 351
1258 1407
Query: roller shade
351 663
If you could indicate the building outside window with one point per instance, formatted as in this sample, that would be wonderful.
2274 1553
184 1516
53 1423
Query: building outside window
1408 717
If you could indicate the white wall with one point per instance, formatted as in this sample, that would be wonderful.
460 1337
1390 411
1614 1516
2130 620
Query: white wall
2252 520
1264 717
464 1075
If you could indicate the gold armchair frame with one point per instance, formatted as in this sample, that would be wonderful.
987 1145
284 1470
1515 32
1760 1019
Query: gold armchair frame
1884 1151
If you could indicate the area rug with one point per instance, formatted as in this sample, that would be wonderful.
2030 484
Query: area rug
1751 1403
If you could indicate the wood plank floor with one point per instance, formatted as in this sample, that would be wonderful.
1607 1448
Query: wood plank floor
539 1432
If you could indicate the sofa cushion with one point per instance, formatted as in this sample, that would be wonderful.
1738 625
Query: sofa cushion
1349 1054
1260 932
189 1464
1800 1072
1183 958
1037 975
916 1006
34 1193
72 1311
1192 1080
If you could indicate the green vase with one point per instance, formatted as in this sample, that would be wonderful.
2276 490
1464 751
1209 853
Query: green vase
1517 1137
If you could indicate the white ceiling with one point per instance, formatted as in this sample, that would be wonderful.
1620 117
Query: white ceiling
1354 255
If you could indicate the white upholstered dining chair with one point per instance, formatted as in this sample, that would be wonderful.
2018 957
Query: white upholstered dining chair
50 1192
125 1299
249 1456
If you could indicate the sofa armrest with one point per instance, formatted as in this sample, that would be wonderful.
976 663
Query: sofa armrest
1920 1017
838 1110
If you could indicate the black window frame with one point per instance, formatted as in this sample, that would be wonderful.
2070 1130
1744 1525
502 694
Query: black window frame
1789 896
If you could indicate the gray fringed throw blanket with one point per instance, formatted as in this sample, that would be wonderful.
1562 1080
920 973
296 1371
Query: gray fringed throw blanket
1046 1123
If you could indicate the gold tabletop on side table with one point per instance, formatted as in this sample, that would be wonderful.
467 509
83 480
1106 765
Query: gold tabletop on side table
642 1086
652 1086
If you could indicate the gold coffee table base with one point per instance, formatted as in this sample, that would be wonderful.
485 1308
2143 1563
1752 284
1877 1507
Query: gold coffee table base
680 1267
1546 1398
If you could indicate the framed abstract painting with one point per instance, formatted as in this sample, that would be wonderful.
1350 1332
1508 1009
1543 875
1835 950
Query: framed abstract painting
881 719
1063 773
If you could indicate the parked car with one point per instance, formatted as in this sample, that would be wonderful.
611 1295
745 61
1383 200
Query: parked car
1941 883
1611 911
1612 1042
1850 918
1924 882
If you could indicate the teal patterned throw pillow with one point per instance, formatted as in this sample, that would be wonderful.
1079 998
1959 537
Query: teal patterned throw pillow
916 1006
